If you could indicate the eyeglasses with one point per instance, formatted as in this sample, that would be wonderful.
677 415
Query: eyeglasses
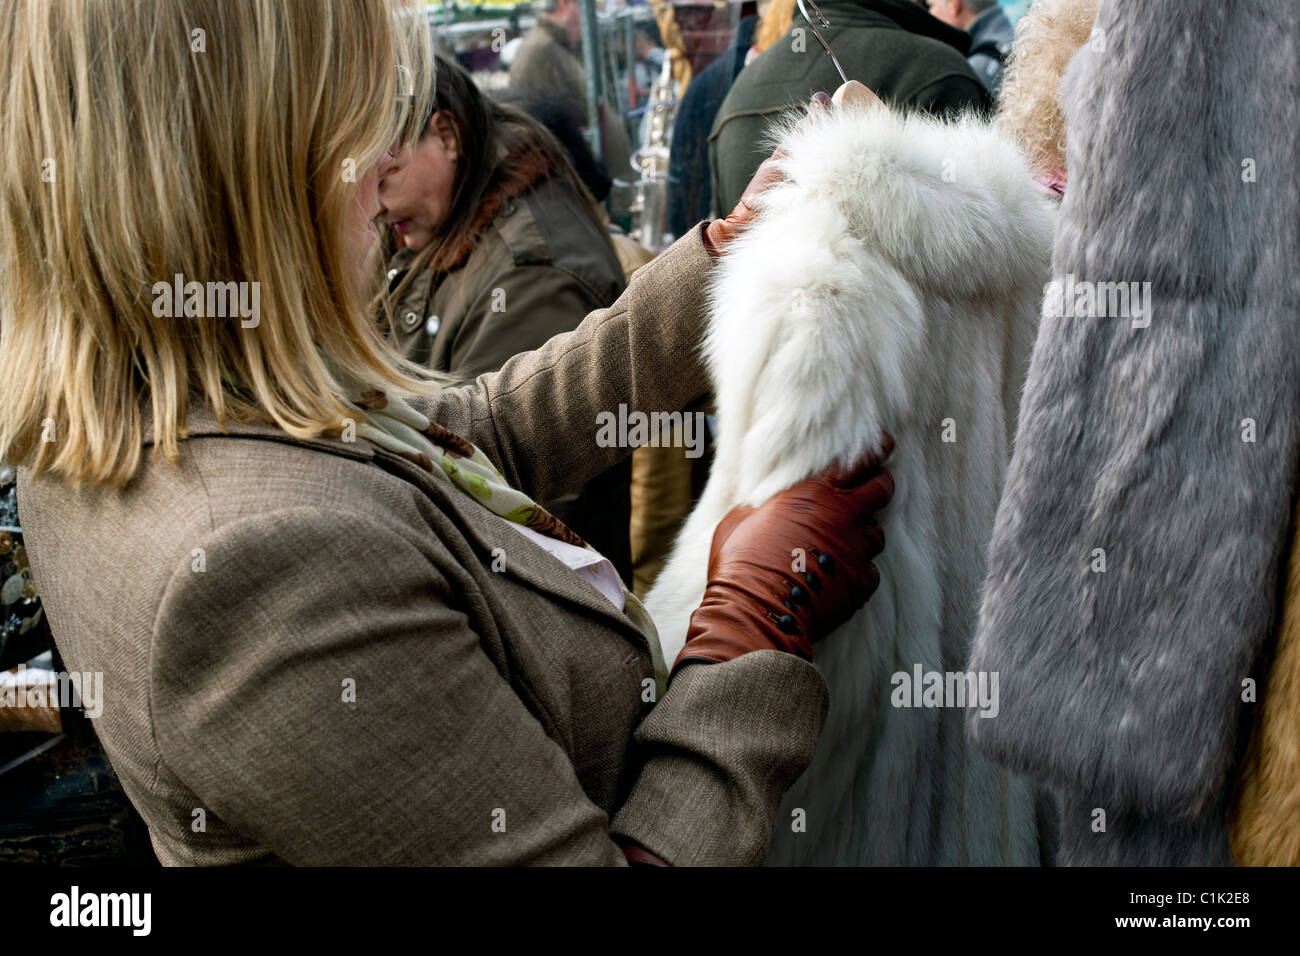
817 33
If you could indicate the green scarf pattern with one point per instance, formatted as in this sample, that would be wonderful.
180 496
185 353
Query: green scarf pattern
391 423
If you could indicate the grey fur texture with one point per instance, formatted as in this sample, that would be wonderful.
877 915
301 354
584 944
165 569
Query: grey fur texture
1124 688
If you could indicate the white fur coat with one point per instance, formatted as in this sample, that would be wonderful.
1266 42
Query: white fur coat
892 282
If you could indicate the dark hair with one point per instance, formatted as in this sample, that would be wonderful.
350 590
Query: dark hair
487 132
650 30
559 114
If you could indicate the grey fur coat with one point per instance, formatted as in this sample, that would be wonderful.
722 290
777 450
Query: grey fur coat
1136 556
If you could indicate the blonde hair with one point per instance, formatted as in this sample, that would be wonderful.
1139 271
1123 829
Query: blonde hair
774 24
218 140
1029 104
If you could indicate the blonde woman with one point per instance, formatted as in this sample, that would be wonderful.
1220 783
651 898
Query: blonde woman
1029 110
333 625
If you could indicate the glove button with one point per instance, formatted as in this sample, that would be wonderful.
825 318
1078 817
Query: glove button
814 582
787 623
826 562
798 595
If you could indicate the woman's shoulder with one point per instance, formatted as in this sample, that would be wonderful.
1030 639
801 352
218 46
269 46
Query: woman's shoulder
222 476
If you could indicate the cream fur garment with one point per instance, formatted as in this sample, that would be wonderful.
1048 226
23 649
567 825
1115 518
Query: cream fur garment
892 282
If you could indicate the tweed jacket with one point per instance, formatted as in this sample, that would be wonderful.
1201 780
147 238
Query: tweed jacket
314 652
541 264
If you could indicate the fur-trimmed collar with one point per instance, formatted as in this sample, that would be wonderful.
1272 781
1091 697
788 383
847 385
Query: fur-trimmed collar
527 166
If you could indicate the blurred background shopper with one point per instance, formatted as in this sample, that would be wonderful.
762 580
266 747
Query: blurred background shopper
990 35
894 47
497 247
549 63
330 630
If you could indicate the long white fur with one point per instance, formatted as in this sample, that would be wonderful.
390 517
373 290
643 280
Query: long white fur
892 281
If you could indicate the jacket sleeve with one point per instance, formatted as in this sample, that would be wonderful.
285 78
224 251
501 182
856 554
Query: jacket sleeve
537 418
525 307
332 735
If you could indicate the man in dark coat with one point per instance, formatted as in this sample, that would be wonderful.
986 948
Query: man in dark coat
991 35
549 63
689 189
910 59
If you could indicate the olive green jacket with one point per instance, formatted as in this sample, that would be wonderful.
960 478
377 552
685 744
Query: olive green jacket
910 59
541 265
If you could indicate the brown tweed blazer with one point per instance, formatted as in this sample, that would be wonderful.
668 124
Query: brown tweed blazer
308 657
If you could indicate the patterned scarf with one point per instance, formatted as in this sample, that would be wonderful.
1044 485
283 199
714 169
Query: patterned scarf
394 425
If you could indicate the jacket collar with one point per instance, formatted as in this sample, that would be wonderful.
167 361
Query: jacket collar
523 560
201 422
526 561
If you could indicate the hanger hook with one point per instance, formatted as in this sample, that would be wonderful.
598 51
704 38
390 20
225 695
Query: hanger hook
817 33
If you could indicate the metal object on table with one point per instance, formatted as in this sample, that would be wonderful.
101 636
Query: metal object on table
821 17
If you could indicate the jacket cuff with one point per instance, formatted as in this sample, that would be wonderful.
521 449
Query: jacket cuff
720 749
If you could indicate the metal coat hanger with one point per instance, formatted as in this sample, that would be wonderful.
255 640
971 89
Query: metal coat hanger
817 33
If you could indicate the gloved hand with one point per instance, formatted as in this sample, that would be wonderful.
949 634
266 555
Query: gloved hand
756 599
722 231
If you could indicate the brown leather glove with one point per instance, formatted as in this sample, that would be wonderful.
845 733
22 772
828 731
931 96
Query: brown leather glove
790 571
720 232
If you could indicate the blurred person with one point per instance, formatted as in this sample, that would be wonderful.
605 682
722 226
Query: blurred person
549 63
990 32
908 58
314 574
1030 107
497 246
689 191
548 60
648 51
